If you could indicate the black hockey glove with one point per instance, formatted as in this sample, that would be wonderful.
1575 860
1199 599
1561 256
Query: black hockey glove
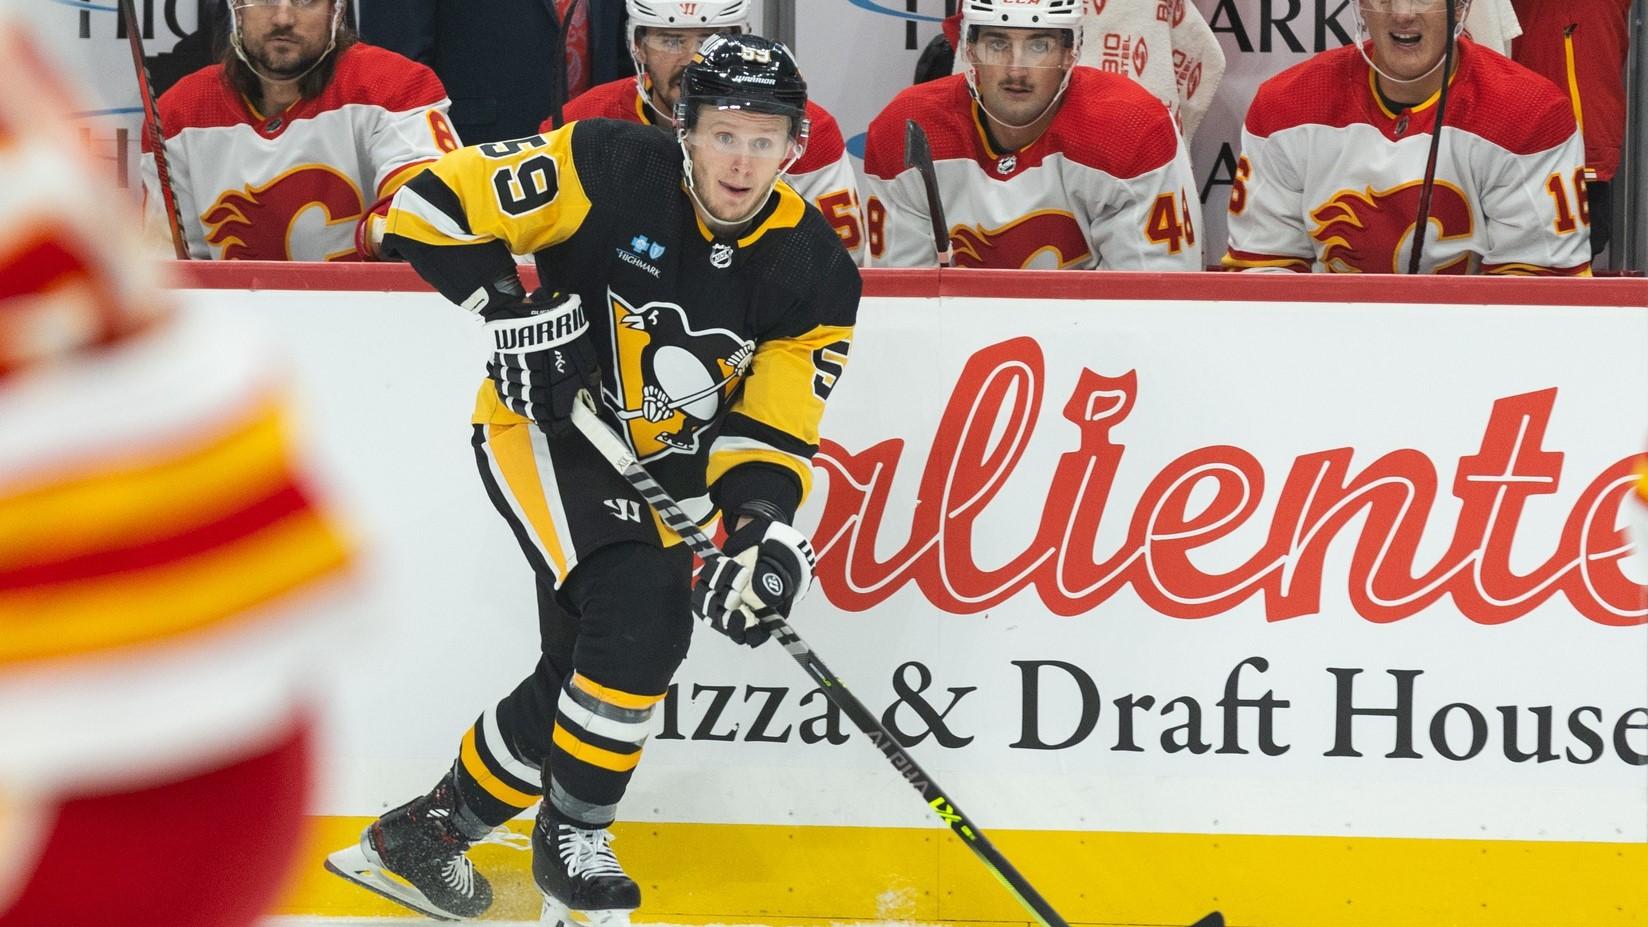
766 568
542 358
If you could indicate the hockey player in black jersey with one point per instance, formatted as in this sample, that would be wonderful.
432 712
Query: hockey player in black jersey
696 295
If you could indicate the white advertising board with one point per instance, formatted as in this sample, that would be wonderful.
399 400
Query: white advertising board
1119 564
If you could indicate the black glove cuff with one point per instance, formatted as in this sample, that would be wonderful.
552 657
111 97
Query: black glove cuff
760 490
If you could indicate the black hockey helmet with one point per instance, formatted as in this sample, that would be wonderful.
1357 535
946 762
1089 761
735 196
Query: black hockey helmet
744 72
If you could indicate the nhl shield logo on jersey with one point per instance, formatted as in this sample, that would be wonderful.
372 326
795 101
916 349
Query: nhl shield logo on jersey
1048 239
670 379
267 223
1370 232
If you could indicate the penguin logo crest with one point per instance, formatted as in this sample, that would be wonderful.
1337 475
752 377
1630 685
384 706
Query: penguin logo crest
670 379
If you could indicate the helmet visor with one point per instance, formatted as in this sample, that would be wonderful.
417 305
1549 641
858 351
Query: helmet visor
674 42
1021 48
1402 7
731 133
294 4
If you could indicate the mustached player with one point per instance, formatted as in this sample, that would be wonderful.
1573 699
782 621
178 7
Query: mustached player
289 148
663 36
1334 152
710 308
1041 162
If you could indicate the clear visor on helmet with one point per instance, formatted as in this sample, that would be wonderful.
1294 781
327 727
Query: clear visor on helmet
294 4
1021 48
676 42
729 132
1402 7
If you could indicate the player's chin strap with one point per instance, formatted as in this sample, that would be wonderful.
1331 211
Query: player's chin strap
725 227
617 453
972 81
1456 28
664 119
240 50
972 87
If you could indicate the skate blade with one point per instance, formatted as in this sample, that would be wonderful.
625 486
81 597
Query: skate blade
353 864
555 914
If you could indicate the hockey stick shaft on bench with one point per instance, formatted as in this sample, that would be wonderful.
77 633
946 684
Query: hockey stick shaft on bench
618 454
157 134
919 155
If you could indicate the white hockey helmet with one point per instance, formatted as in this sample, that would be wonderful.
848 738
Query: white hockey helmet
1022 14
704 14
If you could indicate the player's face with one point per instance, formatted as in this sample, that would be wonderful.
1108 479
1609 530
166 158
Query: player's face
1409 36
283 39
1019 70
735 157
664 55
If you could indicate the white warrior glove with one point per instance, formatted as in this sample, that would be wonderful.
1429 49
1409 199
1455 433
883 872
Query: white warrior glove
766 568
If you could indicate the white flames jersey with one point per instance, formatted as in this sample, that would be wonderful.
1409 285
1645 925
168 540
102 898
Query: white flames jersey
1329 178
823 175
1107 185
166 573
294 186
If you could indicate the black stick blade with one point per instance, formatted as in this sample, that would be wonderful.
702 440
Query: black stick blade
919 155
1212 920
916 150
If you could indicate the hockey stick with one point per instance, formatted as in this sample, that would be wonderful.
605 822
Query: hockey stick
618 454
1422 223
157 137
560 87
919 155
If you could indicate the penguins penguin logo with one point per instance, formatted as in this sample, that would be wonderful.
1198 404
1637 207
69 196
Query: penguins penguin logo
671 378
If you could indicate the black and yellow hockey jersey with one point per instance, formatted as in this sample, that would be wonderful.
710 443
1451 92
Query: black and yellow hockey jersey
717 353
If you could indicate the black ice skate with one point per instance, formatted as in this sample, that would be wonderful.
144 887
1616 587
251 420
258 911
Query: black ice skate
577 871
414 855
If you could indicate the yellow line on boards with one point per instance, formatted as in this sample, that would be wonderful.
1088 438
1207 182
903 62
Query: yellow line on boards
780 876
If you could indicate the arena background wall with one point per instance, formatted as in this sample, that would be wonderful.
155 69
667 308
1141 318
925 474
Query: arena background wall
1136 559
856 54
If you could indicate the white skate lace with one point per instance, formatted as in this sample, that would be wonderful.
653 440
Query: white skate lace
459 872
588 852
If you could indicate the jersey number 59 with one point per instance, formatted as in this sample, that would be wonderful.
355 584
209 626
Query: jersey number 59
530 185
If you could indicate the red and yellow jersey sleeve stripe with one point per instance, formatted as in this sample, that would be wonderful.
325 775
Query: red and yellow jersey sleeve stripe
163 544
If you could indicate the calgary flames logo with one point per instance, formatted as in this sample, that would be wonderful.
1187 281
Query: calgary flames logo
670 377
256 223
1048 240
1370 232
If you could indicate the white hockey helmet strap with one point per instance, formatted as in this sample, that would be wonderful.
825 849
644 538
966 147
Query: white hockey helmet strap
798 146
1364 38
723 75
235 42
1024 14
